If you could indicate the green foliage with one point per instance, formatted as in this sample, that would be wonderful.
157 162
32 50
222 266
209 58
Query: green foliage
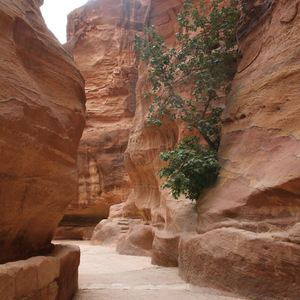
205 62
192 167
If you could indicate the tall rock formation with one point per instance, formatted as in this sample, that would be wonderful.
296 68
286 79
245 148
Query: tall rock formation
41 121
167 217
248 224
100 36
244 237
247 238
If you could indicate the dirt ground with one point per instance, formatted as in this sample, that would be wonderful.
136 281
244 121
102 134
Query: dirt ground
106 275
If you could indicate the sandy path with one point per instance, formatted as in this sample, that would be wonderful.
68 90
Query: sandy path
106 275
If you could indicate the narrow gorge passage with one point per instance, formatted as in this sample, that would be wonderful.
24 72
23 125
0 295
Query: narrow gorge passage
104 274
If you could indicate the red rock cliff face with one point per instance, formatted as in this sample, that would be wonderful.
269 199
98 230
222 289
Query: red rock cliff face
247 238
249 241
101 40
147 201
167 216
41 121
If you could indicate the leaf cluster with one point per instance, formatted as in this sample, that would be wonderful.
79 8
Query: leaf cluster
192 168
204 61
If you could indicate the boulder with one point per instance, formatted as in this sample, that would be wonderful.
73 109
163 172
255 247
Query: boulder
137 242
250 264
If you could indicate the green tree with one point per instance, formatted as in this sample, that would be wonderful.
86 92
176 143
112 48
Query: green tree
205 62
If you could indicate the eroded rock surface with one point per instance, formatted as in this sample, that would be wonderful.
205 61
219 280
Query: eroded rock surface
101 40
246 239
54 276
254 206
168 217
41 121
244 262
258 188
257 198
138 241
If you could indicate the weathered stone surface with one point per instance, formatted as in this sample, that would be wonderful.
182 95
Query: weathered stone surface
8 282
147 200
257 197
69 258
100 36
165 249
156 206
41 121
52 291
42 277
26 279
138 241
251 264
258 188
110 231
294 233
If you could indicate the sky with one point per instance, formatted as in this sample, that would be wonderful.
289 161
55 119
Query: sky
55 14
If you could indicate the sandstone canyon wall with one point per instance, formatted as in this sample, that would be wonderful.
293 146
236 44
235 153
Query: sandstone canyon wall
248 224
247 238
244 237
42 118
100 37
162 218
168 217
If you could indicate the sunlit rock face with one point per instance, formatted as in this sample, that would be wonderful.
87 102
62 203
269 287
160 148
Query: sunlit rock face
100 36
41 121
245 220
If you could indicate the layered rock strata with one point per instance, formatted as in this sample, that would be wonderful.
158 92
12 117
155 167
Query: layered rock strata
168 217
245 243
244 237
148 202
41 121
100 36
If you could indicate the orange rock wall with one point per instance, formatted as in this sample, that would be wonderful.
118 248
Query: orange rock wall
248 223
244 237
41 121
258 189
168 217
248 232
100 36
